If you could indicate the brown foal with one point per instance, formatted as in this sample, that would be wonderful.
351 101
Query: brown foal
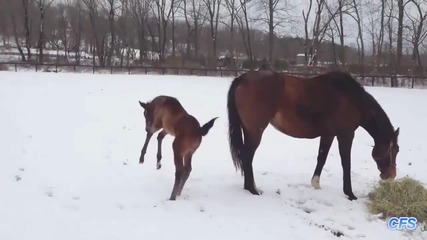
166 113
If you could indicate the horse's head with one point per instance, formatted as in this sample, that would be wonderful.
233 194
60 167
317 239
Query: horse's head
385 154
149 116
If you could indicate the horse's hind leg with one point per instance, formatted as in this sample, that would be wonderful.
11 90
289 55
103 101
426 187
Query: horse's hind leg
324 147
179 167
252 141
187 171
160 137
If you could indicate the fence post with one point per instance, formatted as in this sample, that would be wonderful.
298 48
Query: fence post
413 82
74 68
56 68
373 80
37 67
163 70
16 67
93 69
128 70
220 72
111 69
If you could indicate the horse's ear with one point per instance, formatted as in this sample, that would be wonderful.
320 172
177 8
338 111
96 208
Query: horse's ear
144 105
396 134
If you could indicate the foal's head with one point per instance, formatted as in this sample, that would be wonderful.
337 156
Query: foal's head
149 108
385 154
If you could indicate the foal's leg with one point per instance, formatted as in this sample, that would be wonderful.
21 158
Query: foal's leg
144 148
179 167
252 141
187 171
324 146
160 137
345 142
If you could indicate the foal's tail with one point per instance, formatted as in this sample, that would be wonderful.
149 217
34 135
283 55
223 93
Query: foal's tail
235 127
207 126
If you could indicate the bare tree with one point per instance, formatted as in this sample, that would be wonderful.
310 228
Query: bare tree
306 17
163 13
245 30
321 24
175 8
341 11
76 25
26 6
381 32
273 13
4 21
98 31
42 5
140 12
360 42
418 29
111 6
213 7
12 10
195 17
232 9
401 9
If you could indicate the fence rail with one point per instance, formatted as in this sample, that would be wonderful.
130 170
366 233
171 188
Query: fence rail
408 81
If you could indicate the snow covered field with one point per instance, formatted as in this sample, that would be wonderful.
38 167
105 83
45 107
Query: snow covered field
69 170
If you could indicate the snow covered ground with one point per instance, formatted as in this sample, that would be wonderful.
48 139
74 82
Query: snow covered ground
70 145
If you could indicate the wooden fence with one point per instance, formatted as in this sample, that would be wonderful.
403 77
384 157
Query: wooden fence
408 81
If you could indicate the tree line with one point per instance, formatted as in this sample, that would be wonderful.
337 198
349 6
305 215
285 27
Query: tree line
363 33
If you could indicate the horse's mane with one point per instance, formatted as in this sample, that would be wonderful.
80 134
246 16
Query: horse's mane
345 82
377 122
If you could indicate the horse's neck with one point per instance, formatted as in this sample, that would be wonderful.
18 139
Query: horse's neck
376 122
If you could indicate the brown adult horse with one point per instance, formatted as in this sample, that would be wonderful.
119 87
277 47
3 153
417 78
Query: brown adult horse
166 113
327 106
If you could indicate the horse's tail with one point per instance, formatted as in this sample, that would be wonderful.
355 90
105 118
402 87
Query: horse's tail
235 127
207 126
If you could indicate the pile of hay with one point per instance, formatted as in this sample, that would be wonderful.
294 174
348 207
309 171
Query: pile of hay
404 197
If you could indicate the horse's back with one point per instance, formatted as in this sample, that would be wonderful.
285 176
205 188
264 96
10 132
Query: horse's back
326 104
300 107
168 111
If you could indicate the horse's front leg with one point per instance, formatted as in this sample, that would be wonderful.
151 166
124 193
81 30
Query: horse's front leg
144 148
160 137
345 142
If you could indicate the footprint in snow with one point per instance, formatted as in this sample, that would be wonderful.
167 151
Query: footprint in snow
202 209
18 176
49 192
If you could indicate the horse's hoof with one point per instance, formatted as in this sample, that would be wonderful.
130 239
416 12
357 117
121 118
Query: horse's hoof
172 198
141 160
159 166
315 182
351 197
254 191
